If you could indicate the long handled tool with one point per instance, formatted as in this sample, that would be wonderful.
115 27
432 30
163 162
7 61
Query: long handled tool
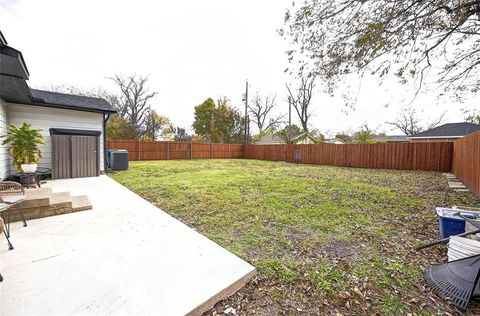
444 240
456 280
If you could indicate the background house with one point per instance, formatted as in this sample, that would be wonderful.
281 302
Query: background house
275 139
271 140
446 133
73 126
336 141
392 138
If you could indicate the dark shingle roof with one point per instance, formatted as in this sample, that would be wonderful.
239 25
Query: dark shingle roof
70 101
450 130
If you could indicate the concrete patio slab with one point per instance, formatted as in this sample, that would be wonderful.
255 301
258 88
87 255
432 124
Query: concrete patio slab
125 256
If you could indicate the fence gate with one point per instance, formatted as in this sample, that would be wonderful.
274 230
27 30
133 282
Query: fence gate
75 153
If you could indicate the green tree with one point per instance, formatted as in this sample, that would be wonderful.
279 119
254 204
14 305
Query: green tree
295 131
218 123
118 128
203 119
401 37
155 125
364 136
180 134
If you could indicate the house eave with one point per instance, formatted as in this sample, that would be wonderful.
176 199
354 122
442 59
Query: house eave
428 137
65 107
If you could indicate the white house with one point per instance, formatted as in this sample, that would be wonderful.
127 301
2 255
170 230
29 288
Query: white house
73 126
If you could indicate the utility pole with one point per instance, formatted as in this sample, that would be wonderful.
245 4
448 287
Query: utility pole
289 119
246 112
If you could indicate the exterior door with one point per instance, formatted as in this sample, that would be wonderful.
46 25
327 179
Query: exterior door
61 157
84 156
75 156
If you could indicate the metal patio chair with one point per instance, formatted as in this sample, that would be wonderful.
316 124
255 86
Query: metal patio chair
11 194
2 230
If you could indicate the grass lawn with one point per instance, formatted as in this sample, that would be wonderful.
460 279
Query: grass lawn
324 240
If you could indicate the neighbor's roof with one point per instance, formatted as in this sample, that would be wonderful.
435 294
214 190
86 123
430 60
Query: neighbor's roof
391 138
449 130
334 141
271 139
70 101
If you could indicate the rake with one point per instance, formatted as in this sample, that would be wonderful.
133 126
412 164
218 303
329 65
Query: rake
455 280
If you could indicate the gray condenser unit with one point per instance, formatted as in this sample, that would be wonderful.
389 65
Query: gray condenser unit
117 159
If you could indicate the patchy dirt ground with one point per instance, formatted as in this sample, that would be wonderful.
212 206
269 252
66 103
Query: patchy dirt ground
324 240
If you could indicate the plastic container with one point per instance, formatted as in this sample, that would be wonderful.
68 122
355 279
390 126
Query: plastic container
450 224
459 248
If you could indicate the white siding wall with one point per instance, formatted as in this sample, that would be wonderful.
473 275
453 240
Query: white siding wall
45 118
4 157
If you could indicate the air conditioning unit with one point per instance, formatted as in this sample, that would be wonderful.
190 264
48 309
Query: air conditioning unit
117 159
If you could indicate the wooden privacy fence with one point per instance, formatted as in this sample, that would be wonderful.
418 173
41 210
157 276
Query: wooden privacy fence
153 150
461 156
409 156
466 161
434 156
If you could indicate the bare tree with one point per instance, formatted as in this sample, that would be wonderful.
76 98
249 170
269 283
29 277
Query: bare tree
261 110
154 125
301 98
409 123
471 116
401 37
133 103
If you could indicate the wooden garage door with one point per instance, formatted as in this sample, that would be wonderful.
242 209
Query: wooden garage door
74 156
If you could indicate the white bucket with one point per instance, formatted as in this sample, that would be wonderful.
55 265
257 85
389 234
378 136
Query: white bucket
459 247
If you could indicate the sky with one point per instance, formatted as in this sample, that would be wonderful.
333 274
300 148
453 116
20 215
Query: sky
191 50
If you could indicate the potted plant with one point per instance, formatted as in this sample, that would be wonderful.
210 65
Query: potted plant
24 149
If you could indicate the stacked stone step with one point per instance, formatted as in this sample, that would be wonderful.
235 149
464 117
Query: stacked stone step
42 202
455 184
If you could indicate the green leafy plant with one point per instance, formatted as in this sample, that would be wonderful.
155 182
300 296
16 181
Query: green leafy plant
23 143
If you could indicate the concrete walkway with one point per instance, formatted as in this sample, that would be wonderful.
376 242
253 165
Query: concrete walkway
123 257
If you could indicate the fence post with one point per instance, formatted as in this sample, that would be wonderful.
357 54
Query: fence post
191 150
228 151
168 150
138 146
414 159
211 150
